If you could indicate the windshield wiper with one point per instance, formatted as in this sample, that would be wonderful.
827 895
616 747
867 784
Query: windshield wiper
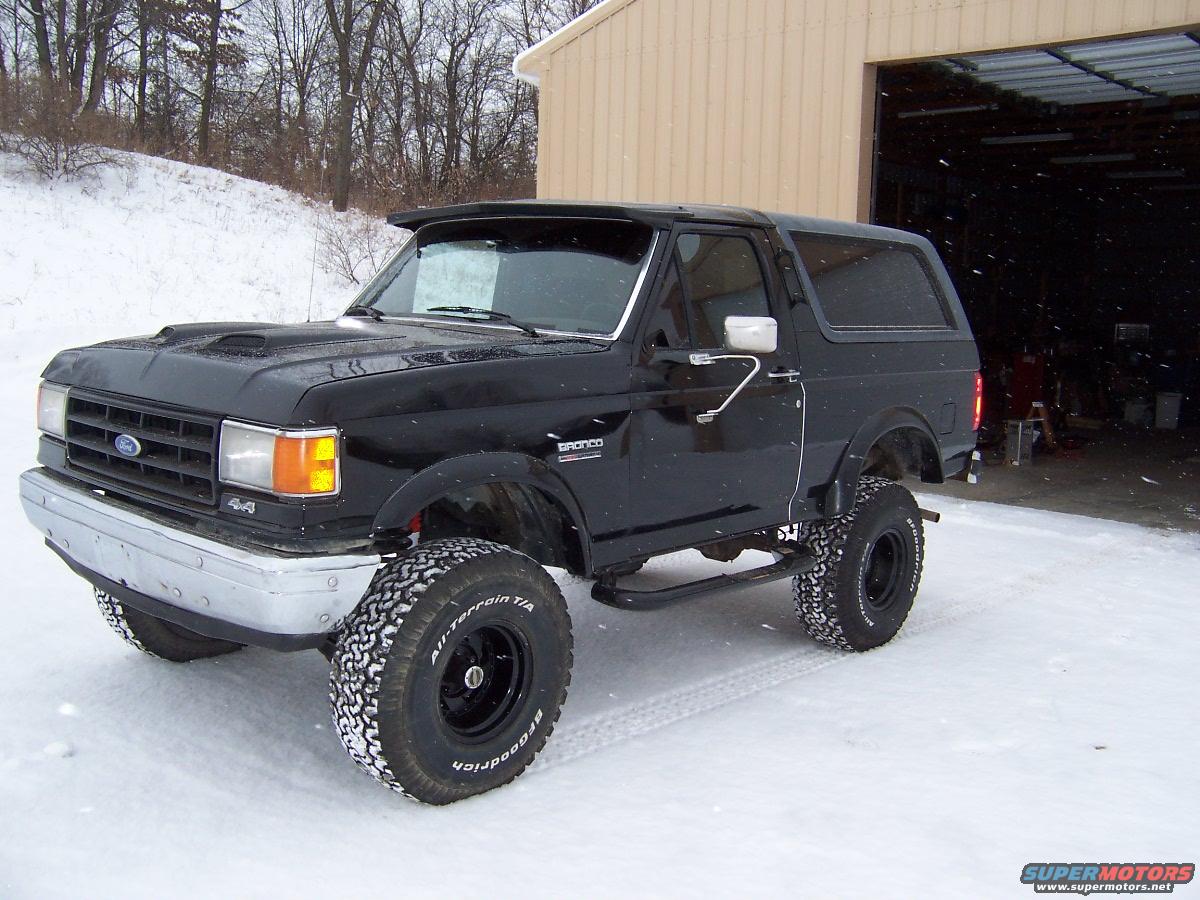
359 309
487 313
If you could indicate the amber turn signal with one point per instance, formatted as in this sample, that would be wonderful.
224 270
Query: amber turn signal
305 465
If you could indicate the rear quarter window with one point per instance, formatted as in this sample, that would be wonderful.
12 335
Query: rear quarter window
871 285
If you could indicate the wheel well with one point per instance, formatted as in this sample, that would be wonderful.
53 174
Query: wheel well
516 515
904 451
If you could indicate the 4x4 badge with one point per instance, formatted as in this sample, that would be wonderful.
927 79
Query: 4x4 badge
237 504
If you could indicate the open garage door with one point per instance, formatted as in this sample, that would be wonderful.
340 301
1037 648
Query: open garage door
1062 187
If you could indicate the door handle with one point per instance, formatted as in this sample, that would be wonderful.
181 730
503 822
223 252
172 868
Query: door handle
792 377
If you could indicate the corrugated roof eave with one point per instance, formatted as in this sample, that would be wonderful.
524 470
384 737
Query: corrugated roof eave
527 62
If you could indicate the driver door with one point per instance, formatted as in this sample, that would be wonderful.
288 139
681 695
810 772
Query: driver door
694 482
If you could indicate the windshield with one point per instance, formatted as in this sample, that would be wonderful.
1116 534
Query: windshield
560 274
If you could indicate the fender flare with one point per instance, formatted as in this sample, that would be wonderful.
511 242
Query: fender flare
840 496
474 470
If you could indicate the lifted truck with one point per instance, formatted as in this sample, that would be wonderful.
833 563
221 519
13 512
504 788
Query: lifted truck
524 385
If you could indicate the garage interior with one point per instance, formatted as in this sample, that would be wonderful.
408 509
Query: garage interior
1062 188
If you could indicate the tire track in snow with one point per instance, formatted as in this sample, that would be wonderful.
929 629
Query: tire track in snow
603 730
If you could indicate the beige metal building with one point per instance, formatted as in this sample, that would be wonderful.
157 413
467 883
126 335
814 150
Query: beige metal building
768 103
1049 148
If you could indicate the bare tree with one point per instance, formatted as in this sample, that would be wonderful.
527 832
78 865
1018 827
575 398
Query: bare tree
412 101
41 36
103 18
73 43
213 33
354 26
142 77
213 12
532 20
294 45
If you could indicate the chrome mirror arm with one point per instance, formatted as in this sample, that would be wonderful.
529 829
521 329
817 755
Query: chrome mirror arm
707 359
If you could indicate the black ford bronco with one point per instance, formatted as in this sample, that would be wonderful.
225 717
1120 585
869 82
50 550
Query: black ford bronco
523 385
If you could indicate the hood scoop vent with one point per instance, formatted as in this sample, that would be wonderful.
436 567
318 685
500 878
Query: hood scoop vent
239 343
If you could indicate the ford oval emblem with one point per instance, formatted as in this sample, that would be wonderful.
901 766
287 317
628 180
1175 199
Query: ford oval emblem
128 445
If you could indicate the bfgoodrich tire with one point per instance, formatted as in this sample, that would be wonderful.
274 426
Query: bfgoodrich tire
158 637
450 675
868 568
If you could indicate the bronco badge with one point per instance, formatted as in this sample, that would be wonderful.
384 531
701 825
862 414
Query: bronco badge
574 451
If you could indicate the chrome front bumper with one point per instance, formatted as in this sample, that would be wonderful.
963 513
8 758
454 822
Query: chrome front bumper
258 591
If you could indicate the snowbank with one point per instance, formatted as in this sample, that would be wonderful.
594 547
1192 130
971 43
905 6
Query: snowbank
150 242
1038 706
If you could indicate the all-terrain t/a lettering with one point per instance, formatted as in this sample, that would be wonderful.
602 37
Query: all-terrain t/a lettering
490 601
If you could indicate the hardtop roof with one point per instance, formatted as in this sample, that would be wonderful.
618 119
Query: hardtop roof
660 215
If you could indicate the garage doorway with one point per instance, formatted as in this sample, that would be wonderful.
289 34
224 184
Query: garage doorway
1062 188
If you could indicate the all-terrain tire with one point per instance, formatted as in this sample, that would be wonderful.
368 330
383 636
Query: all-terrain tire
448 678
868 568
157 637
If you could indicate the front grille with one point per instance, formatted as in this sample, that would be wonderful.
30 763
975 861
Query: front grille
178 451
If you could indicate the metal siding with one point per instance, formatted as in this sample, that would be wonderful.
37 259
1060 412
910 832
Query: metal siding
770 111
853 76
664 98
790 176
832 100
600 50
571 88
754 126
767 103
811 89
715 92
586 144
699 59
617 124
971 27
550 125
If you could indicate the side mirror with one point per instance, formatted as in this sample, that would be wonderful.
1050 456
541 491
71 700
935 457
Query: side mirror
751 334
748 337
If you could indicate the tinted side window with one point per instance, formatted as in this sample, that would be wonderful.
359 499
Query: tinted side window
870 285
668 328
722 278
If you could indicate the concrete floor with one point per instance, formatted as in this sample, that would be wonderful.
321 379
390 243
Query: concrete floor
1144 477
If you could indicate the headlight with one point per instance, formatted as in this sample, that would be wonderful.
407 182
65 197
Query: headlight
52 409
288 463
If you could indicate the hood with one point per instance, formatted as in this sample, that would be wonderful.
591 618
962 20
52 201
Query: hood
260 372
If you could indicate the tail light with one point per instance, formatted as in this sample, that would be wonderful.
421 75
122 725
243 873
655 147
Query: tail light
978 418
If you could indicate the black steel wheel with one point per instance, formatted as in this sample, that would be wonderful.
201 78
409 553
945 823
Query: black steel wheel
488 672
868 568
887 566
449 677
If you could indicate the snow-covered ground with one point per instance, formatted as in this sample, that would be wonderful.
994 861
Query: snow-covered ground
1039 705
